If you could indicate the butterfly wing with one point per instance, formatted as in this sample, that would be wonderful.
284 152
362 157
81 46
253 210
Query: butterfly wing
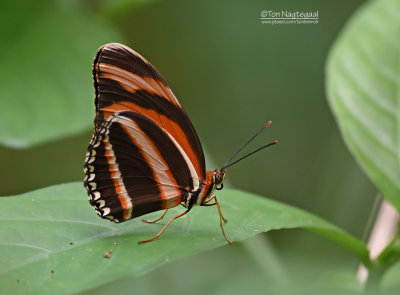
145 154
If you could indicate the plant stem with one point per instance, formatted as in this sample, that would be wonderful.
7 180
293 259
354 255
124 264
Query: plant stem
384 247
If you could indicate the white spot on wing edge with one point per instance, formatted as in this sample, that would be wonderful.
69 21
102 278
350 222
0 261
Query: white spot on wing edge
96 196
101 203
106 211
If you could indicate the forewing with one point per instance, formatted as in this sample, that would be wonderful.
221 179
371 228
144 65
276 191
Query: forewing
125 81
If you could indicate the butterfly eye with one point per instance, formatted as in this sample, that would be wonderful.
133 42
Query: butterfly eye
219 177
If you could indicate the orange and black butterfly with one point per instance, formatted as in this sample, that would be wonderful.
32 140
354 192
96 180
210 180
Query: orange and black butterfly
145 154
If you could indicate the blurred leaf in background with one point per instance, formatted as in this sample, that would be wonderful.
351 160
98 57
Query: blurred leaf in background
363 89
46 89
117 8
46 55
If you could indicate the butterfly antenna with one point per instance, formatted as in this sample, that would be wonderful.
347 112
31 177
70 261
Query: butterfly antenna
246 144
253 152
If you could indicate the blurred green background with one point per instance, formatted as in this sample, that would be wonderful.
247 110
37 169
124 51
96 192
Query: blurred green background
232 74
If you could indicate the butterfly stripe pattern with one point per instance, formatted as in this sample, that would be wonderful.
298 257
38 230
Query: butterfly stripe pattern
144 155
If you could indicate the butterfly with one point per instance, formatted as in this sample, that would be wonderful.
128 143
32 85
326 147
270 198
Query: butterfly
144 155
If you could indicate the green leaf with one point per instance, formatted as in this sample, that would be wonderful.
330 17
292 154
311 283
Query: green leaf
51 241
46 61
236 270
363 86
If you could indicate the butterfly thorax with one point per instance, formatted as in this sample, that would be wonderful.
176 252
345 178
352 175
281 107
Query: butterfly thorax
212 181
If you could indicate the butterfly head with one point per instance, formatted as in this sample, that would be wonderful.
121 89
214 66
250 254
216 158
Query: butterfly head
219 176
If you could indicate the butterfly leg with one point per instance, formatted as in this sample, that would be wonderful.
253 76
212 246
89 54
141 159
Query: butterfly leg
162 230
159 218
221 217
206 203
